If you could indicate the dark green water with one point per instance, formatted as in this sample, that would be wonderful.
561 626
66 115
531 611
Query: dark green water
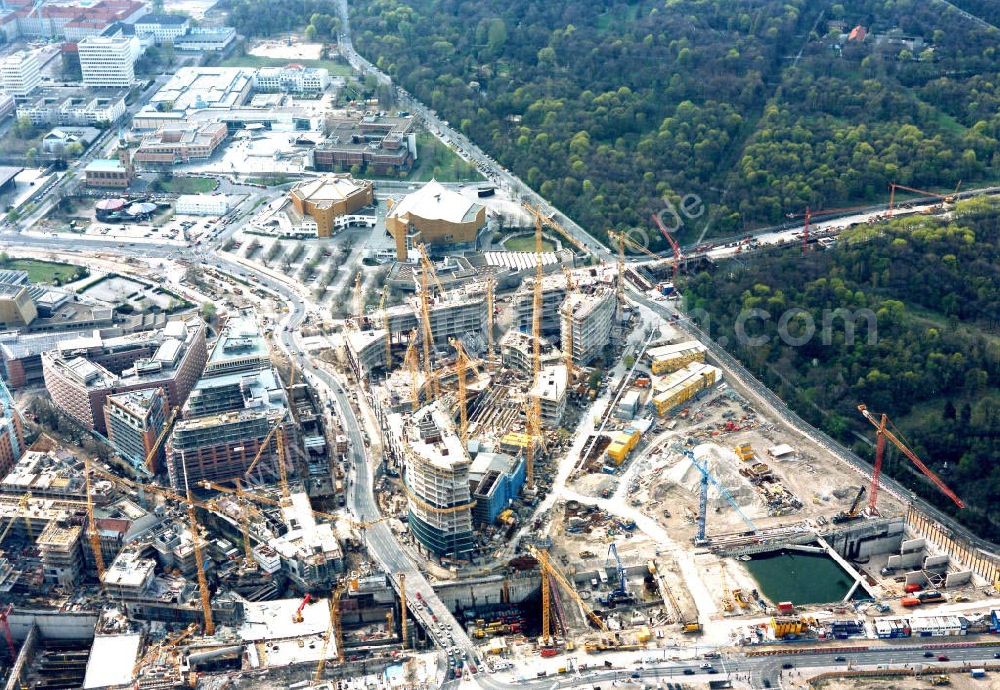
799 577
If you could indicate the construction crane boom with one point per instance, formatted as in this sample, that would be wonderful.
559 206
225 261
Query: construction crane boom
676 248
402 607
491 285
808 215
706 479
946 198
410 359
425 320
148 462
547 566
883 434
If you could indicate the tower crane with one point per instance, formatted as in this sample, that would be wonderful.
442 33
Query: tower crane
551 574
333 630
95 538
402 607
882 434
566 314
946 198
425 319
491 285
199 559
809 214
555 225
535 402
672 242
410 360
706 479
463 402
385 324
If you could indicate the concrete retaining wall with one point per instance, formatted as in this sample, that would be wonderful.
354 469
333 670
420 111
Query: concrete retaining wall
54 625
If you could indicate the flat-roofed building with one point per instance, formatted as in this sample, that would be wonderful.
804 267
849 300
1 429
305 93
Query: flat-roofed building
550 389
110 173
20 73
182 143
292 78
434 216
588 322
164 28
375 143
108 61
80 380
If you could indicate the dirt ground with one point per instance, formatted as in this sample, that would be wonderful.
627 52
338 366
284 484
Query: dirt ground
959 681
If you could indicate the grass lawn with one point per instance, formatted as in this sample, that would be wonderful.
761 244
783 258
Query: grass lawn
187 185
335 68
43 271
526 243
437 161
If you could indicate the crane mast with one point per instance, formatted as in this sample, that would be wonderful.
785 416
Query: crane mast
463 409
491 285
534 402
95 538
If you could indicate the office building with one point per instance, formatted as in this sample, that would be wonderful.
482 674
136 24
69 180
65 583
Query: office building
134 421
59 546
553 294
588 322
365 351
108 61
206 39
20 73
309 550
437 484
163 28
80 380
202 205
11 431
434 216
231 412
452 315
498 480
517 352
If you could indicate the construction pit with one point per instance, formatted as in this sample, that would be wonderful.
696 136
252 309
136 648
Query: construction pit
778 488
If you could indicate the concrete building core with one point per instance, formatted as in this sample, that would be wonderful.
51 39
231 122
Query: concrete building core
437 483
550 389
435 216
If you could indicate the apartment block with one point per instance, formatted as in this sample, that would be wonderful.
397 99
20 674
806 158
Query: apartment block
437 484
108 61
134 421
588 323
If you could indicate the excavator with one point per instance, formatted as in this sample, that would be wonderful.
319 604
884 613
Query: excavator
852 513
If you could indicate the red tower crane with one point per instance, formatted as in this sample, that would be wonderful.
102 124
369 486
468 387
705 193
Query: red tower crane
809 214
881 436
297 618
673 244
946 198
4 615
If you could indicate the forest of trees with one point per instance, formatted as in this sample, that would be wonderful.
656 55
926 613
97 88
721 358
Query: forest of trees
760 108
934 368
272 17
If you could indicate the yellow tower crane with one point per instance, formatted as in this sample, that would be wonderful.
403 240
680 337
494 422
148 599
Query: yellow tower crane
410 360
402 607
148 463
551 574
249 563
463 409
385 324
333 631
199 559
491 285
535 402
425 319
95 538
